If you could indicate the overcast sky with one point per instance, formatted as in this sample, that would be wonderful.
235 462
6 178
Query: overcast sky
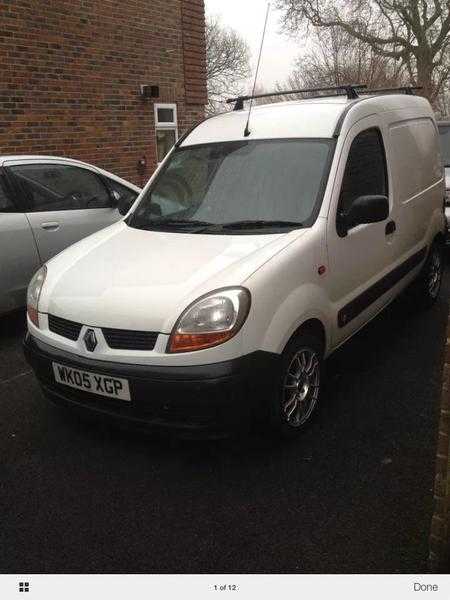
247 17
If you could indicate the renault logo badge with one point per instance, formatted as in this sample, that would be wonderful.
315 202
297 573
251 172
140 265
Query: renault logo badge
90 340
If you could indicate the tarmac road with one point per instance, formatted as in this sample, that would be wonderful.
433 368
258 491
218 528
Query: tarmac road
352 495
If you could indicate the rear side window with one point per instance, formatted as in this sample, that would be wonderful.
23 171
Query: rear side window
61 187
365 173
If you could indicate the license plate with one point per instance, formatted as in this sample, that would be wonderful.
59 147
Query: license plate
112 387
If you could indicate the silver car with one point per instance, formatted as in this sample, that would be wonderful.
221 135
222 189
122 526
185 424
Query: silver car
444 135
47 204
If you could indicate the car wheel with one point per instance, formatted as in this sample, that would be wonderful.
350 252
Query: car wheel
298 391
428 285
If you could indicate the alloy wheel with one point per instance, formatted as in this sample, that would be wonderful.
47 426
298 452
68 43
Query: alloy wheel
435 273
301 387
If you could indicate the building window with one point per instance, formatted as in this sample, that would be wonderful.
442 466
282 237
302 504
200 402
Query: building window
166 128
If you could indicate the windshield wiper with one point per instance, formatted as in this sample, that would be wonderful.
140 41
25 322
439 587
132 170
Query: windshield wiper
206 227
253 224
175 222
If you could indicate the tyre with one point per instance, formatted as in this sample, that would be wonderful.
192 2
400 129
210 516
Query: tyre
427 287
296 399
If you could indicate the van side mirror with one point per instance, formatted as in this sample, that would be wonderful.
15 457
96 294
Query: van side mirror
365 209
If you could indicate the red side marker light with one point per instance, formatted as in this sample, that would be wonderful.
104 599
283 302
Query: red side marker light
321 270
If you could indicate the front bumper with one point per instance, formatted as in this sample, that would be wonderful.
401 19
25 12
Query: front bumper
209 398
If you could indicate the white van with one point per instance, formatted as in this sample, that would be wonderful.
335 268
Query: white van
243 264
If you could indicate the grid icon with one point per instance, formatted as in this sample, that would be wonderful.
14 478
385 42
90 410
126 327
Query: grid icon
24 586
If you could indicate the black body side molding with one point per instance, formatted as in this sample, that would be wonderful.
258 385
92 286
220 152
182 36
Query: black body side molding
351 310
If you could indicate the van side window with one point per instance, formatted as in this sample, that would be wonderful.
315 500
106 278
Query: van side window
365 173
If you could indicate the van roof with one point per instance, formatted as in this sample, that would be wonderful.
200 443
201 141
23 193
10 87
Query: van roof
307 118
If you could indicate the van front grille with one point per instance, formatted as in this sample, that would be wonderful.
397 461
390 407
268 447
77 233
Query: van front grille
124 339
118 339
64 328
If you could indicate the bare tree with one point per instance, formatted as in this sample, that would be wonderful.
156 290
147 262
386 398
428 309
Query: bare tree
334 57
228 63
416 33
442 102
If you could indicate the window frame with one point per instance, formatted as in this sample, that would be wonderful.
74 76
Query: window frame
23 192
165 125
339 212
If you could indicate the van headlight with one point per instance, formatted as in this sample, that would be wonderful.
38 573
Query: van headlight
33 294
210 320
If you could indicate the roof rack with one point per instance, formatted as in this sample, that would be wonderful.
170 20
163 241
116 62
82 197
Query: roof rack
350 90
405 89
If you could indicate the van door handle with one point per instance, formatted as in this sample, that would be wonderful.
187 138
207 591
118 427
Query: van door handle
390 228
50 226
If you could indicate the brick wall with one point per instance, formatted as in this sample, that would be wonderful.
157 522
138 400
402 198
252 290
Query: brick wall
71 71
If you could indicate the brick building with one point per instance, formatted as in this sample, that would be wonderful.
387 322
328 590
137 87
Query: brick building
72 71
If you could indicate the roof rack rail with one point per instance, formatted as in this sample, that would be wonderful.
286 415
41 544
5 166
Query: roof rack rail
406 89
351 90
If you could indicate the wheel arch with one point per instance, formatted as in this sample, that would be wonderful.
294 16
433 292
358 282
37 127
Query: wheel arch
315 327
439 238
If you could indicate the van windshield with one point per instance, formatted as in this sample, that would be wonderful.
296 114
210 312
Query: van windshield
444 135
242 186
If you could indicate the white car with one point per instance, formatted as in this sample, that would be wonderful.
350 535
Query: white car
250 256
46 204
